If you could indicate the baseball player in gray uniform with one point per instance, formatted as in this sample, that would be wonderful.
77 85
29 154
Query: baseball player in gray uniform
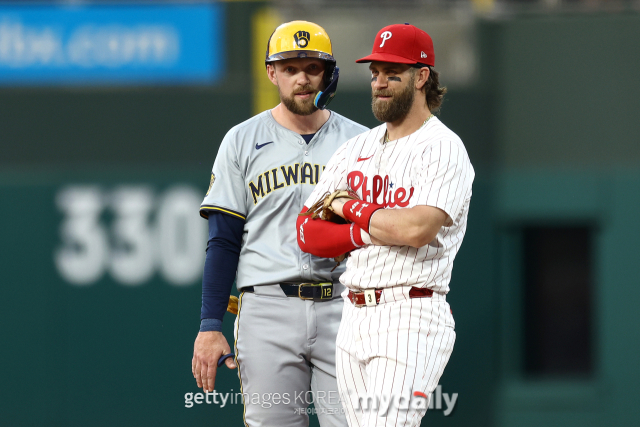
289 306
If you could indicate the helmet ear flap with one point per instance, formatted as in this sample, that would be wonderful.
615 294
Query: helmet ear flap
329 71
323 98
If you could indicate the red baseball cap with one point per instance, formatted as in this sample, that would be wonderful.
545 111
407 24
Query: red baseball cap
403 44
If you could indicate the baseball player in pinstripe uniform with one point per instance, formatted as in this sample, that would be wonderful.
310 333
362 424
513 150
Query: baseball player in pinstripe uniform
414 178
290 305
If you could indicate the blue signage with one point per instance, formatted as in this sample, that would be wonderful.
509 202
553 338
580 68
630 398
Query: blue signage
157 44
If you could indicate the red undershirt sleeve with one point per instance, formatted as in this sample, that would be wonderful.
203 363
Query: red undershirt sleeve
326 239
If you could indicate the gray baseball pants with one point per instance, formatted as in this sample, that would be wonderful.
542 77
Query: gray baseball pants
285 349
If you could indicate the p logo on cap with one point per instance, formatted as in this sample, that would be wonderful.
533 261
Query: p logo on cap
402 44
385 36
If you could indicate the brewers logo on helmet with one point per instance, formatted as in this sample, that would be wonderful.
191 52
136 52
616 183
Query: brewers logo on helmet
302 39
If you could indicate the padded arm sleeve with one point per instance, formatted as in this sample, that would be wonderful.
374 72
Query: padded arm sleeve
326 239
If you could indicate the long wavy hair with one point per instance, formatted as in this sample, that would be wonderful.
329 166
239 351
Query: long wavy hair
434 94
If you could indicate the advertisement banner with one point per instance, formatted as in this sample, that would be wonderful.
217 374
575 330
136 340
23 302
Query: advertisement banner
122 45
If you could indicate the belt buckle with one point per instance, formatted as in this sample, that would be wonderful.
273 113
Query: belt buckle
355 298
326 290
369 296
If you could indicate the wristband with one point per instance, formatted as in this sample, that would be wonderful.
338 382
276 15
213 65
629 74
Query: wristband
366 237
359 212
207 325
356 236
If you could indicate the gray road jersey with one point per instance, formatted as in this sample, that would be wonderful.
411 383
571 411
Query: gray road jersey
263 173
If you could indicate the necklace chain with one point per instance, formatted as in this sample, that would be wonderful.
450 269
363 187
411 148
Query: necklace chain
386 133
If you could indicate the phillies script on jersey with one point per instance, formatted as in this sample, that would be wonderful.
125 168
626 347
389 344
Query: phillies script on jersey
371 190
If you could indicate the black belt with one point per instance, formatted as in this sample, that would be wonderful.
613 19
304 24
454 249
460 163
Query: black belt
312 291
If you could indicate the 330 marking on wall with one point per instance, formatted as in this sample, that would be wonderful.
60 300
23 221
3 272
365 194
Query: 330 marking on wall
132 247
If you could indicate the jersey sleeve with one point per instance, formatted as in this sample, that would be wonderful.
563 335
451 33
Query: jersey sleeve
333 177
226 189
220 265
445 177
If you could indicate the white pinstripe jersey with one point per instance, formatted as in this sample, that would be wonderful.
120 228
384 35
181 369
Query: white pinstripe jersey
429 167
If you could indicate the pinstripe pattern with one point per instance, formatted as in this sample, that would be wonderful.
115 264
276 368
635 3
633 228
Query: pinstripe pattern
389 351
401 346
434 163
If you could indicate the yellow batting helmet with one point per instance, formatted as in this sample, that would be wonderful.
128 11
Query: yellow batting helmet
303 39
299 39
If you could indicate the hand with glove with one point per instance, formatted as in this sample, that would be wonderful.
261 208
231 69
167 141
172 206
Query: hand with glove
322 209
323 231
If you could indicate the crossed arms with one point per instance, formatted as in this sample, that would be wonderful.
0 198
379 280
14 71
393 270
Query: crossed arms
416 227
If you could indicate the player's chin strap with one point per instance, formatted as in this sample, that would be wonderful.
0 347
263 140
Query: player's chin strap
323 98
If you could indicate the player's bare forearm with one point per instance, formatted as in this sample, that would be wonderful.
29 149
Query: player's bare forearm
415 226
207 349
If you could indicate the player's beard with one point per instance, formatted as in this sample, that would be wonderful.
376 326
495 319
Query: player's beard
302 107
395 108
